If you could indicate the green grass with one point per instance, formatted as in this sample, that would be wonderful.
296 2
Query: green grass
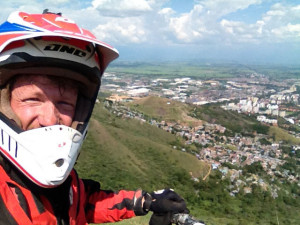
162 109
182 69
157 108
139 220
233 121
202 70
281 135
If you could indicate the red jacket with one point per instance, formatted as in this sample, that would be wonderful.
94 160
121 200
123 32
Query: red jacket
76 202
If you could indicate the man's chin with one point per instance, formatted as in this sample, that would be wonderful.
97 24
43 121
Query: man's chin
31 127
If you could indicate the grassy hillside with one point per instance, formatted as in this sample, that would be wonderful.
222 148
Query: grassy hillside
279 134
233 121
128 154
165 109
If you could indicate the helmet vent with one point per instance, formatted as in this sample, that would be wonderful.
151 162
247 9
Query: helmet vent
59 162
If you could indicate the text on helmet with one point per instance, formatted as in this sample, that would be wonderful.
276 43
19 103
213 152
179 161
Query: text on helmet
65 48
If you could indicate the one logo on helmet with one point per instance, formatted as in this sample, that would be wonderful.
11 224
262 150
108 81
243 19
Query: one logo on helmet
66 49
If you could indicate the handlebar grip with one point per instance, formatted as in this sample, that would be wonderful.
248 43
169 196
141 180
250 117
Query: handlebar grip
185 219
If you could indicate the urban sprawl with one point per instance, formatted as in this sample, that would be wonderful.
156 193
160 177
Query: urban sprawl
253 94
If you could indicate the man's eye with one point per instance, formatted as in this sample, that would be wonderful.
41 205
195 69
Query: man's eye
66 104
31 100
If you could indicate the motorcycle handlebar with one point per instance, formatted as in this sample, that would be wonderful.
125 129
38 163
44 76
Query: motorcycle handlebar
185 219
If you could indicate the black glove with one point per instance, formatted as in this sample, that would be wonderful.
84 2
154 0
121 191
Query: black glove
165 203
161 219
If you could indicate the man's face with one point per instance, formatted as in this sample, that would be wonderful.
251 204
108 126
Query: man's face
39 101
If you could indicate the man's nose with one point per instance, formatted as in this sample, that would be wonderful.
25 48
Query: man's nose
49 115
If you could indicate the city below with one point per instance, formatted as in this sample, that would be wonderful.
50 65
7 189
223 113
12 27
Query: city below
273 103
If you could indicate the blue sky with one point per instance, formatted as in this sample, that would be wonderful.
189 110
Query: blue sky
242 31
180 6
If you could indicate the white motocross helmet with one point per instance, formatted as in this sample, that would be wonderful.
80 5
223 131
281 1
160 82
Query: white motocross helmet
48 44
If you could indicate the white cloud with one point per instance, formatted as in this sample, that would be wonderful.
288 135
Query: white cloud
191 26
202 23
281 23
121 32
166 12
219 8
8 7
55 2
37 6
205 23
291 30
147 21
121 8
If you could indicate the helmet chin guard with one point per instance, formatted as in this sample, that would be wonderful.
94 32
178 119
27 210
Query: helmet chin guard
45 155
52 45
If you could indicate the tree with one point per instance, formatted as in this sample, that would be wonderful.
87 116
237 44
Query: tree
254 168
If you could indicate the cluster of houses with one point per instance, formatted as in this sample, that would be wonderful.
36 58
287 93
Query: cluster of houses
185 89
216 149
243 94
271 106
